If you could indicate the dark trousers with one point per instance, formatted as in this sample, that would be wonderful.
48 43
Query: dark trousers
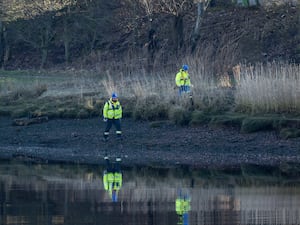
184 89
113 167
116 123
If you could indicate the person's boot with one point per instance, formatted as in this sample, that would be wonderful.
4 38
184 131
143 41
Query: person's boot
118 159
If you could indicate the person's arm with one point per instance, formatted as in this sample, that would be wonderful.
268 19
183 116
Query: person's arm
105 183
105 108
121 111
177 79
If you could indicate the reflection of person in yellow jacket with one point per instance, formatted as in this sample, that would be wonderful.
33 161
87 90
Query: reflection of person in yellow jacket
183 206
112 178
182 80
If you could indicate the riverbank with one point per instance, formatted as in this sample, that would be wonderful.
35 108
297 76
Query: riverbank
167 145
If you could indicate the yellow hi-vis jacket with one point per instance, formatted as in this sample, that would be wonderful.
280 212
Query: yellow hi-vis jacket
112 110
182 206
182 78
112 181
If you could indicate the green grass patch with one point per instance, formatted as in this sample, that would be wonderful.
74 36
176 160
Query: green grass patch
287 133
254 124
16 73
284 122
235 120
199 118
180 115
53 107
150 108
288 126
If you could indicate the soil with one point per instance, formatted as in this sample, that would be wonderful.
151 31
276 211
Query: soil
80 141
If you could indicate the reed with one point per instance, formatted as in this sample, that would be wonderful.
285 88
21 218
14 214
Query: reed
261 89
271 88
155 96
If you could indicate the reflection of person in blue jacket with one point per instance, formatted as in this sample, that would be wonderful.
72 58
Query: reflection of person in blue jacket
112 178
183 206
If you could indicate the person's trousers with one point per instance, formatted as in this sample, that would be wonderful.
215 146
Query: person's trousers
116 123
113 167
184 89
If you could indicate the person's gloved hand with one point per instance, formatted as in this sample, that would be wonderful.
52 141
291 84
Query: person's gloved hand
104 119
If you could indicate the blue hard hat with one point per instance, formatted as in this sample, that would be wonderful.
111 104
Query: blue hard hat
114 95
185 67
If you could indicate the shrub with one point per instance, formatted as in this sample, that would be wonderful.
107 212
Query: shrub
180 115
256 124
227 120
287 133
199 117
150 108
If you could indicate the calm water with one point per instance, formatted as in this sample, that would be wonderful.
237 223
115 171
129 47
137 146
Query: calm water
57 194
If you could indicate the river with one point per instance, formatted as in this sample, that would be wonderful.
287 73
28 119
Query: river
40 194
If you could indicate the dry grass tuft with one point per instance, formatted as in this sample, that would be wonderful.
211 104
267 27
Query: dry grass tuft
150 108
272 88
180 115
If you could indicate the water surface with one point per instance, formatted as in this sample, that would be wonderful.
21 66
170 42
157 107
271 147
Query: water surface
74 194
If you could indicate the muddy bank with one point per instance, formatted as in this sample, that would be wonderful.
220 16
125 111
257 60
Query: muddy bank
80 141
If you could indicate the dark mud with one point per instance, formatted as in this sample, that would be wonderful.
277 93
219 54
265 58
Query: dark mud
80 141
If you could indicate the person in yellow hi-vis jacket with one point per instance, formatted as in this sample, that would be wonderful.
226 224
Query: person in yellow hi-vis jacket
183 81
112 178
183 206
112 114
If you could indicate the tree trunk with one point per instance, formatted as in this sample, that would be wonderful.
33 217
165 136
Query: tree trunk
6 55
1 44
196 33
152 45
6 47
44 57
178 32
298 38
66 41
44 46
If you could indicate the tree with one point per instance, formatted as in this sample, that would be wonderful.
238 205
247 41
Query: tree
298 38
4 48
177 8
201 7
33 22
1 35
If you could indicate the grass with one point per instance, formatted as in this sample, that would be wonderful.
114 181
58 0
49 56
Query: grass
273 88
266 96
250 125
287 133
228 119
56 94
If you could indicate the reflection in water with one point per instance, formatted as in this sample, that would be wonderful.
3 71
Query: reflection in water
182 207
112 178
60 194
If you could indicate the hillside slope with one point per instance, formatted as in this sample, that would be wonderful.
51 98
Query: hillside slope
106 34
